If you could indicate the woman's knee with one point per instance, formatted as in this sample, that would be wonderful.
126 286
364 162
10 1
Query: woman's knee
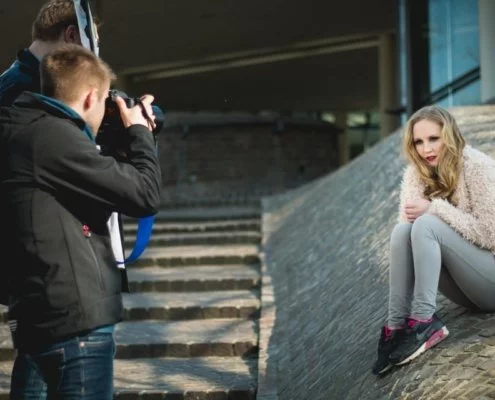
424 224
401 234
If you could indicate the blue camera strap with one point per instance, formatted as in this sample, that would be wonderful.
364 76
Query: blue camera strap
143 235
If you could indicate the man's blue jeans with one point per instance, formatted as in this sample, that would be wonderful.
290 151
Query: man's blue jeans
79 368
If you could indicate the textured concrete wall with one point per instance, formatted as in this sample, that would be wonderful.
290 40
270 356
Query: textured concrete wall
251 154
326 252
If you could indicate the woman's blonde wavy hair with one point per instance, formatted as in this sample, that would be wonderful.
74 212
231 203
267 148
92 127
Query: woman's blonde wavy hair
442 180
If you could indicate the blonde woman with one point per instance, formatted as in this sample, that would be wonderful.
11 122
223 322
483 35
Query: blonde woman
445 238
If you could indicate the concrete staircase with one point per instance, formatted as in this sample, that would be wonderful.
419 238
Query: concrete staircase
191 321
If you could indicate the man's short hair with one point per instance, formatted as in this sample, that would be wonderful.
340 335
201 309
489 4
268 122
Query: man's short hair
70 70
53 18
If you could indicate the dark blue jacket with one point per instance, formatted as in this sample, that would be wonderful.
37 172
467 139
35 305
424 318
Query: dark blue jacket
22 75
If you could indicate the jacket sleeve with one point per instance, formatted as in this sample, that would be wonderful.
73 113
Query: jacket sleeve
478 226
67 162
411 189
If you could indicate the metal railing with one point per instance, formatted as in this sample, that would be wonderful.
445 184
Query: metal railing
454 86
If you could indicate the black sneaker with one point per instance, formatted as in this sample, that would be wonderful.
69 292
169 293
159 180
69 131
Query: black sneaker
419 337
389 340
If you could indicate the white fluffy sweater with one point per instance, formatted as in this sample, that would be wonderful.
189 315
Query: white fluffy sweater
474 216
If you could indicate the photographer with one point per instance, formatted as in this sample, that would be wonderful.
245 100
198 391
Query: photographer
55 25
57 194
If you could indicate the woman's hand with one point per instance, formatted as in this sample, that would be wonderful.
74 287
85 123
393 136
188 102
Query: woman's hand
416 208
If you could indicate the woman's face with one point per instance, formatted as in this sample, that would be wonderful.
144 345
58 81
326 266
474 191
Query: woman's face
427 141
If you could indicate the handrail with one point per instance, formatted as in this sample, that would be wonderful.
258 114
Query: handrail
454 86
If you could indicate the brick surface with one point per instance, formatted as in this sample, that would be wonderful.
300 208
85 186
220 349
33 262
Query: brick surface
326 247
249 157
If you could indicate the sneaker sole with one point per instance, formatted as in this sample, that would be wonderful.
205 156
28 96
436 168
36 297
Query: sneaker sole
436 338
383 370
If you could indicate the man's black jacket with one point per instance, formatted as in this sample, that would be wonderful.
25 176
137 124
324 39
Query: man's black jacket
57 194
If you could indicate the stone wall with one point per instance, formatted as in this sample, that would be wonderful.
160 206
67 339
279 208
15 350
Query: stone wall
326 266
243 159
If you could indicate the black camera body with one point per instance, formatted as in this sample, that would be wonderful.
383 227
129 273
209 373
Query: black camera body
111 135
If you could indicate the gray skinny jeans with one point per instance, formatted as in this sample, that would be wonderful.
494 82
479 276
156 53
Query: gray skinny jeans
427 256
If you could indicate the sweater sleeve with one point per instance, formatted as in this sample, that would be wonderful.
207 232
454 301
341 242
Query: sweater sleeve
477 226
411 189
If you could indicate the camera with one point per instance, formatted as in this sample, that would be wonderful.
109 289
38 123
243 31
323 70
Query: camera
111 136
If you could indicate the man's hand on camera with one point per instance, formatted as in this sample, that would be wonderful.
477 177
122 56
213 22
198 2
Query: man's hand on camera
136 114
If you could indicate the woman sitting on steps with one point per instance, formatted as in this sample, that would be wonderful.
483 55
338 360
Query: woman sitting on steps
445 238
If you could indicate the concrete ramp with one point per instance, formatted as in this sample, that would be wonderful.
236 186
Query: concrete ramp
325 289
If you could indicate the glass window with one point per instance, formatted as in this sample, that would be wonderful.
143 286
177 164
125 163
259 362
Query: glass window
468 95
454 44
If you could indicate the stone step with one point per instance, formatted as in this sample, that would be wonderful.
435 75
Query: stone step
235 225
198 255
198 238
176 306
208 338
195 214
231 378
194 279
191 305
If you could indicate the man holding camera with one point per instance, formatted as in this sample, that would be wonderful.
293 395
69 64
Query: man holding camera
57 194
55 25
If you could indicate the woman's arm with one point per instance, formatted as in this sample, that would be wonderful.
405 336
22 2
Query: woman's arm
411 190
477 226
